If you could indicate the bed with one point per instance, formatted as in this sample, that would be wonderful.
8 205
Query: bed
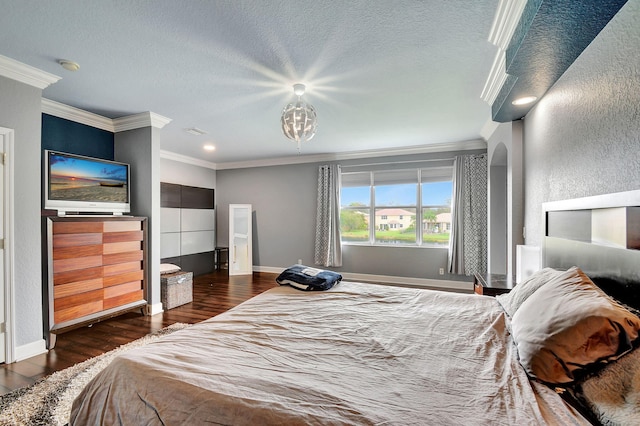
371 354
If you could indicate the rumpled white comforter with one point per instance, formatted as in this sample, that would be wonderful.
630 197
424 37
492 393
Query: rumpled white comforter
356 354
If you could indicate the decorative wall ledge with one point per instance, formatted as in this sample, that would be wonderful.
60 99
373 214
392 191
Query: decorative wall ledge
549 36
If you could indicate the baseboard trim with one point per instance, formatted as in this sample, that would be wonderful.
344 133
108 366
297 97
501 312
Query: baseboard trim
270 269
393 280
29 350
154 309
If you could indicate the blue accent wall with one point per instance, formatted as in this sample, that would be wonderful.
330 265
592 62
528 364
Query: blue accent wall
64 135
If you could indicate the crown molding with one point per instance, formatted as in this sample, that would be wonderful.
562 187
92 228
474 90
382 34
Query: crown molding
77 115
137 121
301 159
504 24
27 74
186 159
495 81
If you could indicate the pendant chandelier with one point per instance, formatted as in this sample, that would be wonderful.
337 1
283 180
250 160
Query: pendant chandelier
299 120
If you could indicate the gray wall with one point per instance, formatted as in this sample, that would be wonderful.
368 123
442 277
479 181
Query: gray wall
21 110
283 200
186 174
583 136
141 148
498 216
284 204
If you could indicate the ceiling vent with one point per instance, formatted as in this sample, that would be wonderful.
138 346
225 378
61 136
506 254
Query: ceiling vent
195 131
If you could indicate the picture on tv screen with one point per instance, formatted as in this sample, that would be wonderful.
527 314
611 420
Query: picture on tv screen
74 178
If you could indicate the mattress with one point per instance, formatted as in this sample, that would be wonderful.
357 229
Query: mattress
356 354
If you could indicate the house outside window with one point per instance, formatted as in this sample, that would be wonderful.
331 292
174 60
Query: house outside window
408 206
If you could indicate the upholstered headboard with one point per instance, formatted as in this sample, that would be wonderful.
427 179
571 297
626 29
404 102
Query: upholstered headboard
601 235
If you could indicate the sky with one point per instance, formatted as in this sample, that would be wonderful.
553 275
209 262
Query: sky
73 167
436 193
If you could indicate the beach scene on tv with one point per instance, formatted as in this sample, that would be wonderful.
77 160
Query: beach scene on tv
77 179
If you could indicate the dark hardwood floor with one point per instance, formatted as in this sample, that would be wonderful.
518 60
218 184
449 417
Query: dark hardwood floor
212 294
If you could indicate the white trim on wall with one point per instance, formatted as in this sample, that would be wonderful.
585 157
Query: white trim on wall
9 252
504 24
27 74
354 155
77 115
121 124
154 309
30 350
302 159
187 160
139 121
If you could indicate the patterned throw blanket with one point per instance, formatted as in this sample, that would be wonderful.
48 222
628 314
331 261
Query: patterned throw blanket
613 394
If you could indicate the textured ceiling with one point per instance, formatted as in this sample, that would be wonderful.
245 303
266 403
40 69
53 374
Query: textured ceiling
381 74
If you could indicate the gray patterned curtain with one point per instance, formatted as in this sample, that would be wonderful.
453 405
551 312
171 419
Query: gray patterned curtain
468 242
328 251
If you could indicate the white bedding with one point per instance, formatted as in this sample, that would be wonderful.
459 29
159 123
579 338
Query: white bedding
356 354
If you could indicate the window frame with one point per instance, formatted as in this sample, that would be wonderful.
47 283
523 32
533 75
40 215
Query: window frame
419 208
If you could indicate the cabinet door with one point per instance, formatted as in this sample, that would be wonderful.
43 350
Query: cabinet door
240 250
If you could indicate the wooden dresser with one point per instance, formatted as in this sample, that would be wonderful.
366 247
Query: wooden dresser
95 269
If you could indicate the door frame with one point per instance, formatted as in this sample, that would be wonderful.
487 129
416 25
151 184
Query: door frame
9 259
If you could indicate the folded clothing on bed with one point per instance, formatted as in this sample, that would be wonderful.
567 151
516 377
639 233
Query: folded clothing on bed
306 278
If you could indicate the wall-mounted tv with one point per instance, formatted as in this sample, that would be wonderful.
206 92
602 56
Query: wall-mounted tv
74 183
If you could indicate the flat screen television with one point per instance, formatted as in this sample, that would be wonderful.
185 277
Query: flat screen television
74 183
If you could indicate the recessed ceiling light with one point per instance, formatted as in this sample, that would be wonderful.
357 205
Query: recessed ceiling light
195 131
524 100
209 147
69 65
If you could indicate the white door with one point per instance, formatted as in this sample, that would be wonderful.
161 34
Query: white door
240 246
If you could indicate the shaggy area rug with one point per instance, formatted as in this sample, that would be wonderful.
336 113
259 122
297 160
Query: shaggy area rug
48 402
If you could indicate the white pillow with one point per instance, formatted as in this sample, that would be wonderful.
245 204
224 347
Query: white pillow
511 301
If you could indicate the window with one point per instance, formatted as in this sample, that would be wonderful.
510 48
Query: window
436 211
405 206
354 215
